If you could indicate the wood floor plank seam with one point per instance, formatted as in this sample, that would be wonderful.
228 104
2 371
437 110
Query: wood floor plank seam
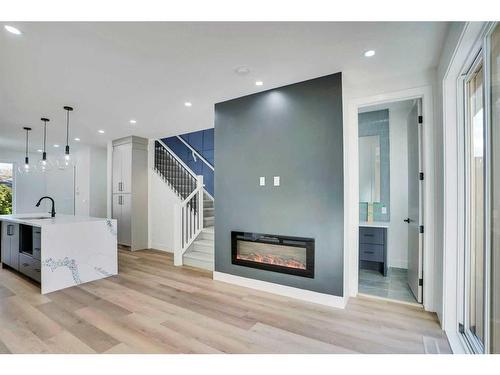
152 306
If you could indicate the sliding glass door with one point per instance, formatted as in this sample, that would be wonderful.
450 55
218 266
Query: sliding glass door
480 312
474 262
494 91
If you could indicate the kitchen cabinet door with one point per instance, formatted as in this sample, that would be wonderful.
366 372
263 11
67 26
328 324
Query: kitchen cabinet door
126 165
5 243
14 246
117 169
126 219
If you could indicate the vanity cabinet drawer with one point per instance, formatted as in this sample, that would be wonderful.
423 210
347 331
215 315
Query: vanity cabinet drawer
371 252
371 235
30 266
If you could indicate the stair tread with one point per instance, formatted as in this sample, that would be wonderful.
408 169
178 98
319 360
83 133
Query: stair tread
199 255
210 229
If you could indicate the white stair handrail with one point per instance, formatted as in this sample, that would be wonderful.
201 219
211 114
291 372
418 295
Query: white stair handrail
196 153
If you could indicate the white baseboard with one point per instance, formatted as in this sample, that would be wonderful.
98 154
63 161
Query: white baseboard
398 264
282 290
158 246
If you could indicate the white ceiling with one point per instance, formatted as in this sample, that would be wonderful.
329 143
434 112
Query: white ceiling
114 72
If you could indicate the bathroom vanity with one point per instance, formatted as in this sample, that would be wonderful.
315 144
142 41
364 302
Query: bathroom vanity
59 252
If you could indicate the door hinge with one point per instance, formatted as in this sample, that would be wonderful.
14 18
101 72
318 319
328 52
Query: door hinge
461 328
420 119
421 229
421 176
420 282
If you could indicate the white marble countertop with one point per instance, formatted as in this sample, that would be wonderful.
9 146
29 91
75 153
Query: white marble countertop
36 219
378 224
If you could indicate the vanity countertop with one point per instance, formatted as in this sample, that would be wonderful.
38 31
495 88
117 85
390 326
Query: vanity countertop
376 224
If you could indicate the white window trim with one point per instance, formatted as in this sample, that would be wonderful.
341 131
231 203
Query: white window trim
469 45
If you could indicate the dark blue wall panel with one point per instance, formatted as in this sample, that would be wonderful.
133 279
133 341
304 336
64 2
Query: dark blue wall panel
203 142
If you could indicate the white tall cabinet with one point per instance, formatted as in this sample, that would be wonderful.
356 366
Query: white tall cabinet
130 191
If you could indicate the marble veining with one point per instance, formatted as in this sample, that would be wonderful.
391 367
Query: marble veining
74 249
66 262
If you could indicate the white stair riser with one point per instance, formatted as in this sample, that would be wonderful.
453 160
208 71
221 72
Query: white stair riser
198 263
207 236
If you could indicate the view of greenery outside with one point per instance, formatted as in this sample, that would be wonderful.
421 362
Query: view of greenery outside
5 188
5 200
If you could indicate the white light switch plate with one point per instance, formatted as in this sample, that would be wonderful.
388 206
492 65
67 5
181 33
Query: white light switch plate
276 180
262 181
384 210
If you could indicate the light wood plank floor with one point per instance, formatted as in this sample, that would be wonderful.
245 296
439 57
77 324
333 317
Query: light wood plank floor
154 307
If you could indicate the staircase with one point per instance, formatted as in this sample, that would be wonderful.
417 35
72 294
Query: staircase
201 252
195 239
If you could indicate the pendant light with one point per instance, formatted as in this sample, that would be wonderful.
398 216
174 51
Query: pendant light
44 165
66 161
26 167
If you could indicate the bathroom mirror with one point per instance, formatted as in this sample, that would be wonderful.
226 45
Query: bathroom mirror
369 168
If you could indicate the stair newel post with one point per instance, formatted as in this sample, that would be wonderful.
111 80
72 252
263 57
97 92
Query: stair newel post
178 234
199 183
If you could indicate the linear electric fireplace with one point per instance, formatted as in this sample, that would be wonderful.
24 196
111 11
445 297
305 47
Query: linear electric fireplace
292 255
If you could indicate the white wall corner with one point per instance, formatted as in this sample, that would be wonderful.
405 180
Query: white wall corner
282 290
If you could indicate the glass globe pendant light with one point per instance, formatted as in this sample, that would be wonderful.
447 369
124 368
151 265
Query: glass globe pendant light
44 165
26 167
66 160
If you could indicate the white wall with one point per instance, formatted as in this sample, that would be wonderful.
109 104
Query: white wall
91 182
449 49
162 201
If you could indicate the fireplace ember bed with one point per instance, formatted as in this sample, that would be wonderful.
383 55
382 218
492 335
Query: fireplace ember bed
285 254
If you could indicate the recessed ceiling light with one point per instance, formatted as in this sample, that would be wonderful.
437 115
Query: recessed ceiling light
56 146
77 139
13 30
242 70
369 53
133 121
100 131
188 104
259 83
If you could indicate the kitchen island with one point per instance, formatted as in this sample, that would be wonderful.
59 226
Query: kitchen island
61 251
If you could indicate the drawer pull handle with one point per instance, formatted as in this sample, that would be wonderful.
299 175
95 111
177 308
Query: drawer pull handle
368 235
37 270
369 252
26 264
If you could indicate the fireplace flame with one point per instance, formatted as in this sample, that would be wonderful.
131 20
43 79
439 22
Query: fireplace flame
272 259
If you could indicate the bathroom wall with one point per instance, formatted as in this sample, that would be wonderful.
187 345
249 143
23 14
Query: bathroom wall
377 123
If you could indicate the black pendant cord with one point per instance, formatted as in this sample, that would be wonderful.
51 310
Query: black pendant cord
45 120
68 110
26 158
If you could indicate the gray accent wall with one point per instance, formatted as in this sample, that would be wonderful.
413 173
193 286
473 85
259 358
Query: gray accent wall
294 132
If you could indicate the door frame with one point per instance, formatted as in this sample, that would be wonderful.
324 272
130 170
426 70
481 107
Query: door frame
351 187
